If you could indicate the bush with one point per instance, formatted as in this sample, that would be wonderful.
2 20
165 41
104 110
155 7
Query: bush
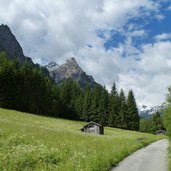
167 120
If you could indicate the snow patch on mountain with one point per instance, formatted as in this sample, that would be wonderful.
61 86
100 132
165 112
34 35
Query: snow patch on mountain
146 111
52 66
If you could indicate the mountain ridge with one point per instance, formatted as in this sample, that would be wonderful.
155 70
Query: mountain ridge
11 46
70 69
59 73
147 112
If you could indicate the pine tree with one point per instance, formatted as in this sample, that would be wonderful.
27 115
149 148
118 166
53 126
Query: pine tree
123 110
95 100
103 107
9 89
56 102
113 107
132 117
79 105
157 122
86 104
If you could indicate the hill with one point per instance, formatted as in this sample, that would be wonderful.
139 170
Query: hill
30 142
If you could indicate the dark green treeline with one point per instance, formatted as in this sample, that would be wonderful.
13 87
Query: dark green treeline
25 87
167 113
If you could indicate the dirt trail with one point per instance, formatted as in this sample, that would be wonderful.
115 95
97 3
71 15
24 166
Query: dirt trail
150 158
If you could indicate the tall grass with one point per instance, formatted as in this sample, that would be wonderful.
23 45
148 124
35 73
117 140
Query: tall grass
169 158
30 142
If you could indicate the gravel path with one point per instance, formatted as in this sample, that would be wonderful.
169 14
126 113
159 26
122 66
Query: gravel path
150 158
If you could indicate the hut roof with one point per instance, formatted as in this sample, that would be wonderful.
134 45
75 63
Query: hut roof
91 122
160 131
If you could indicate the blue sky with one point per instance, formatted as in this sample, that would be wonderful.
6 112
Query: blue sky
152 25
123 41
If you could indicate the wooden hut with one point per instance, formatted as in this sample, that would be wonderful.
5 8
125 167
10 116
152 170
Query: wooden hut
93 128
159 132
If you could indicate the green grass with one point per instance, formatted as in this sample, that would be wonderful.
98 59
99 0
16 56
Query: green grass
169 154
30 142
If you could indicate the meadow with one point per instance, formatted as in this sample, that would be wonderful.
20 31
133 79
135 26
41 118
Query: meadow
31 142
169 158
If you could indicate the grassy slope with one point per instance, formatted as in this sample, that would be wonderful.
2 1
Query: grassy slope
169 155
30 142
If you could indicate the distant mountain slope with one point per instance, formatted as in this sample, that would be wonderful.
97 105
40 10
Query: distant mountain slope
146 112
70 69
10 45
52 66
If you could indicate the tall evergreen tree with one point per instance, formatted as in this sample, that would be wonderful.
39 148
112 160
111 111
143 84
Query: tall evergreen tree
132 117
157 122
103 107
123 110
113 107
95 99
79 105
87 104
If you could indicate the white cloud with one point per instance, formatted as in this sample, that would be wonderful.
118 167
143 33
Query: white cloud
169 8
163 36
138 33
159 17
151 75
55 30
52 28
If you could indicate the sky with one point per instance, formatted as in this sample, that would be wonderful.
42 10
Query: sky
123 41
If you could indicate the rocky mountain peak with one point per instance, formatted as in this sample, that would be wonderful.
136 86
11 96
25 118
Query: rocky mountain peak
52 66
5 29
9 44
72 60
71 69
72 66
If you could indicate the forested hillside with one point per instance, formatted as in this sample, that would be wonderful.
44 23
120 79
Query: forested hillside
27 88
